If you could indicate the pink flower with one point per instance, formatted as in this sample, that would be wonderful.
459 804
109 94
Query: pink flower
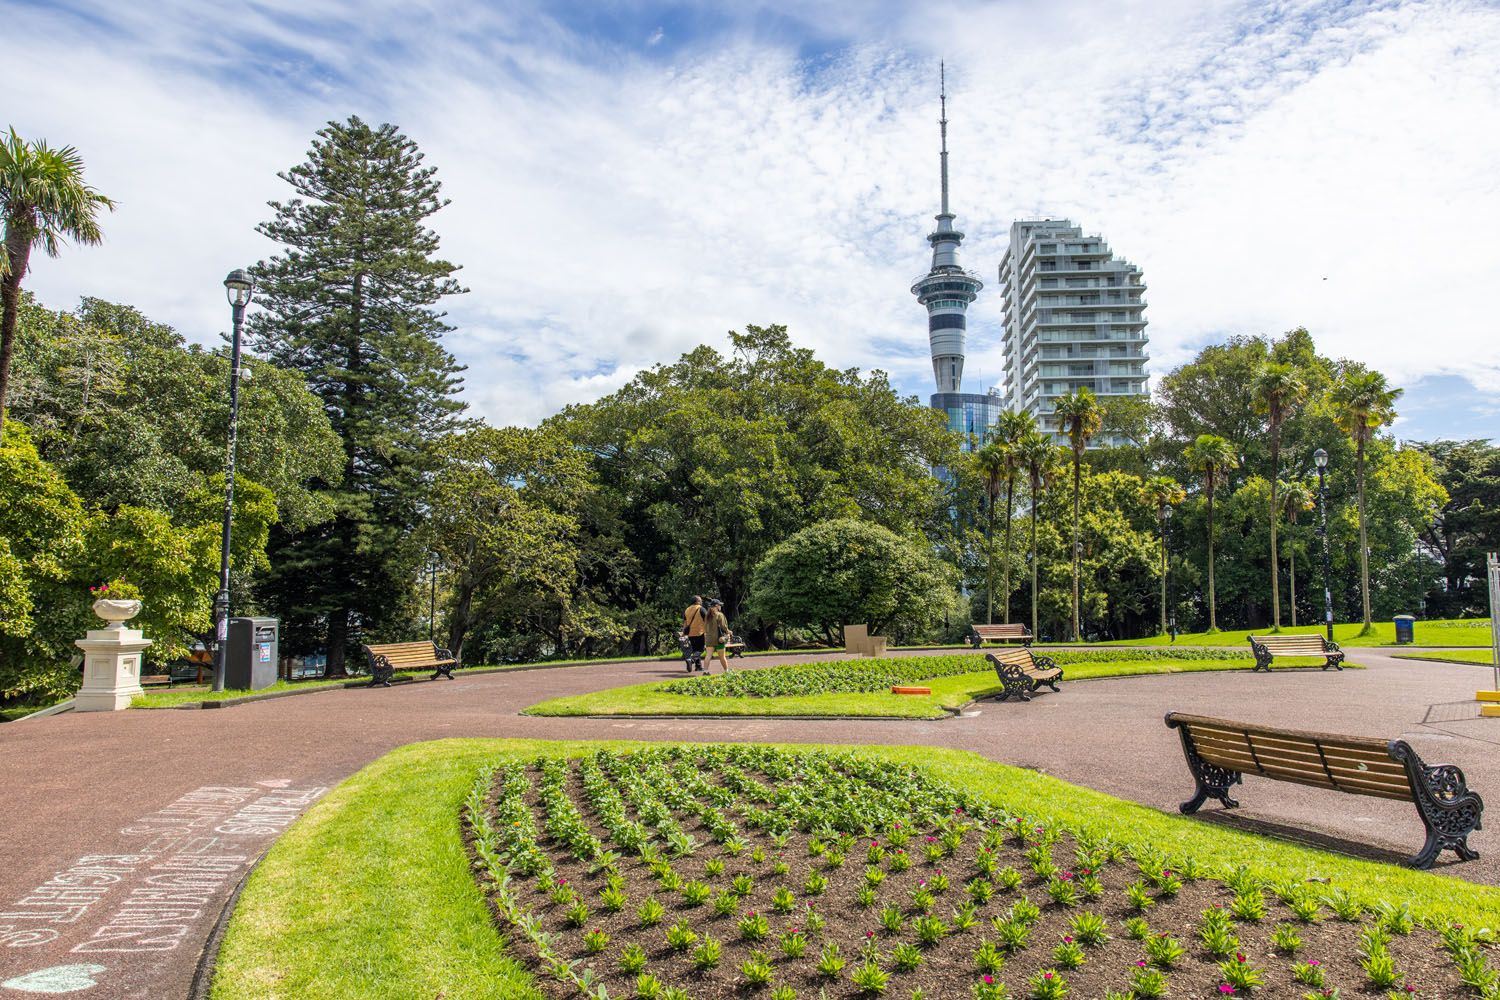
1225 988
989 980
1067 940
1239 956
1314 962
1141 962
1046 975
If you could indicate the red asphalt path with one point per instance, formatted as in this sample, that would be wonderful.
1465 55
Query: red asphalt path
122 835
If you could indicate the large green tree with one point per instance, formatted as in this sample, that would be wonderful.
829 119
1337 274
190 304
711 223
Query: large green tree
351 304
505 511
1467 526
1279 390
1079 416
993 461
1010 431
43 201
848 572
1211 458
1363 403
705 464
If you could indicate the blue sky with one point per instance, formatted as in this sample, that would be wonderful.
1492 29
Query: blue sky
629 179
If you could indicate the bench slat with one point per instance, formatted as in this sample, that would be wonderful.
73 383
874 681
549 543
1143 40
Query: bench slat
1389 785
1340 770
1346 756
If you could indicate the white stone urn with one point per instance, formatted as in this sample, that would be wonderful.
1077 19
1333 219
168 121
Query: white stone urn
116 612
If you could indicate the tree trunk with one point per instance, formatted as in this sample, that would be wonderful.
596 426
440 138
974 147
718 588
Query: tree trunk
1163 519
18 251
1364 544
338 642
1035 503
458 621
1010 489
989 555
1213 618
1275 565
1077 631
1292 561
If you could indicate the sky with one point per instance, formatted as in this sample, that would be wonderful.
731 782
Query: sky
629 180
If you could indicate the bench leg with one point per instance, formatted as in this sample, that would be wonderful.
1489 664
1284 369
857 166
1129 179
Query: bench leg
1213 782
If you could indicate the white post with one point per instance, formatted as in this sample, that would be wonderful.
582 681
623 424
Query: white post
111 659
1493 562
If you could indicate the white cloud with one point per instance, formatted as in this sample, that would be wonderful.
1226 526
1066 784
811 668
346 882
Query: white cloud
613 210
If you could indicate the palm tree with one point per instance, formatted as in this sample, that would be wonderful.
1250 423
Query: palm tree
1080 416
1363 403
1211 457
1296 497
1038 456
1163 493
1012 426
1279 390
992 460
43 201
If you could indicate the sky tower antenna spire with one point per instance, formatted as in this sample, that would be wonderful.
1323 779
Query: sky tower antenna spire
943 128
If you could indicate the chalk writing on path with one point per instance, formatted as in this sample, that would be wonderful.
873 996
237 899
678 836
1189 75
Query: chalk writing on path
164 886
57 979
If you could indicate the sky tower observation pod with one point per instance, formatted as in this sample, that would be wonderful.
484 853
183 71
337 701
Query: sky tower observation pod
946 292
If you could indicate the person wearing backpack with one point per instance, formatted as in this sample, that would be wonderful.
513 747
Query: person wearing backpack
693 619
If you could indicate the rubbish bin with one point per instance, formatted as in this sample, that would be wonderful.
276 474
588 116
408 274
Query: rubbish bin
1405 630
251 658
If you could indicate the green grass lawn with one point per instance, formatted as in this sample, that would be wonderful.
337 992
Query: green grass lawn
947 693
1462 632
1484 657
370 895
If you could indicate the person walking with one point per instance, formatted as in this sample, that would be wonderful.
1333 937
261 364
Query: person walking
693 619
716 632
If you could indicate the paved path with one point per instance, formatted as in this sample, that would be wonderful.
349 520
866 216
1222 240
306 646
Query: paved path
123 834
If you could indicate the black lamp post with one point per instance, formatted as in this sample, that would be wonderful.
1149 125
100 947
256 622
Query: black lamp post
238 287
432 572
1321 458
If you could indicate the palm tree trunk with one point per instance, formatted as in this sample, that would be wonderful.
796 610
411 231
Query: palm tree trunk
18 251
1035 502
989 558
1275 567
1077 631
1010 489
1162 519
1292 561
1364 544
1213 618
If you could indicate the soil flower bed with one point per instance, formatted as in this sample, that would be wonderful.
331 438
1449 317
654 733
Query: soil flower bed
710 872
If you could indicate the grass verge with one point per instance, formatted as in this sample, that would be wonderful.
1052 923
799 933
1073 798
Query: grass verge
370 896
1455 632
947 693
1483 657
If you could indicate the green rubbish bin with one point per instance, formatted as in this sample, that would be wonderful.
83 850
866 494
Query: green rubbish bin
1405 630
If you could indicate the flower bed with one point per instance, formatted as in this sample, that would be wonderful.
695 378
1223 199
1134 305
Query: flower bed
714 872
865 676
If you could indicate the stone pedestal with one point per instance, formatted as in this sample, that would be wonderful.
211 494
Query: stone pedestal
111 669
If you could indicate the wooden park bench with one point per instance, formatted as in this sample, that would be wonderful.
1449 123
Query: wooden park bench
1219 752
390 657
1266 647
156 680
1000 633
735 648
1021 672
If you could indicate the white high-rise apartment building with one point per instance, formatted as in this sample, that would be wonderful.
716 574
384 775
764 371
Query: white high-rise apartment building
1074 317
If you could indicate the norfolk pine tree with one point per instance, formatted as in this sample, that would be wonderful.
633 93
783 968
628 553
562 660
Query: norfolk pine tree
350 303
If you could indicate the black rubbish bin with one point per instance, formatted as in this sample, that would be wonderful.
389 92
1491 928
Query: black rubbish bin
1405 630
253 653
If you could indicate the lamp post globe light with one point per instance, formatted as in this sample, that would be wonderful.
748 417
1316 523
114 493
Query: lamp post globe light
238 288
1320 458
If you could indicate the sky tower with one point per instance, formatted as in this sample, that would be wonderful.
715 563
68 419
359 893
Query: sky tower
947 289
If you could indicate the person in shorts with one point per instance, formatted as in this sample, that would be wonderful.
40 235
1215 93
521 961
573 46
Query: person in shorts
716 632
693 619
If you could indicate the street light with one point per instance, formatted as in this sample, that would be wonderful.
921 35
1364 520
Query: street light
432 572
237 288
1321 458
